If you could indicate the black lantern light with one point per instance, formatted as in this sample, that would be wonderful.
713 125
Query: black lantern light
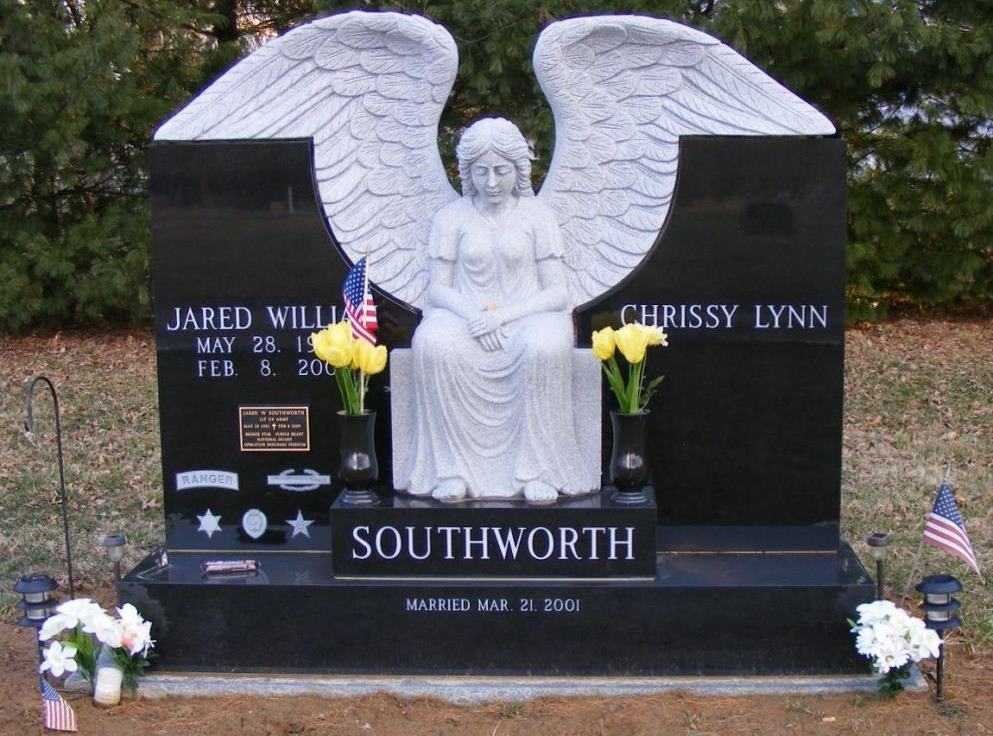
939 614
36 601
878 542
114 545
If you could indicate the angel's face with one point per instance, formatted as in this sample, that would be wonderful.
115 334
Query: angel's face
494 177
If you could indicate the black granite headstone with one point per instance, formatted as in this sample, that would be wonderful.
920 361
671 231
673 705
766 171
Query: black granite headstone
747 279
744 444
245 270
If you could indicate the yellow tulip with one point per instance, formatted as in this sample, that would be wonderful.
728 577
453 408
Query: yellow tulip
632 341
656 336
368 358
334 344
356 363
375 361
603 343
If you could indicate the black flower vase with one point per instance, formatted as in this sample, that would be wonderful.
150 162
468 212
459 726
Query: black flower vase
359 468
628 464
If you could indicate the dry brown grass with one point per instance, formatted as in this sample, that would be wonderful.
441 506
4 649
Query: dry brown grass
919 395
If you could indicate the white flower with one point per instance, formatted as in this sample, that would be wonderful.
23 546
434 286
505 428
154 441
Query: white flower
891 660
872 613
81 612
925 643
129 615
59 659
865 641
107 631
891 637
54 625
136 632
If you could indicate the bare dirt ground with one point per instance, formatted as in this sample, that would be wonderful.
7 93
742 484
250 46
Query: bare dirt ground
967 709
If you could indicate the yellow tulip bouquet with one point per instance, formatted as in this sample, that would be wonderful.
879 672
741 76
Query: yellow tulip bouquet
351 359
633 341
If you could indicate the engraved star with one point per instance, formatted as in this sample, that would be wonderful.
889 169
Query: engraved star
209 523
300 525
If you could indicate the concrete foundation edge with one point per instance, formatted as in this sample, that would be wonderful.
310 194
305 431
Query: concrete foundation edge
469 690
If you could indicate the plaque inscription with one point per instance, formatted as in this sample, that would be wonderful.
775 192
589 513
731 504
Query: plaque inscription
274 428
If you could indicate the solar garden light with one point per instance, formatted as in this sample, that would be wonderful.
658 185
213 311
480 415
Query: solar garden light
36 601
114 545
939 609
878 542
35 589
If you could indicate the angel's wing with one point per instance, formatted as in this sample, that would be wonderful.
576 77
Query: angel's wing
623 89
369 88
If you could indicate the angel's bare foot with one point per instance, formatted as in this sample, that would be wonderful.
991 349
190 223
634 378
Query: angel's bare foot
449 490
537 491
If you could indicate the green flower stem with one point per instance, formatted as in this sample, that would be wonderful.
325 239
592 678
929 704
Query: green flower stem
346 387
630 394
133 666
339 378
641 383
613 373
893 681
85 653
356 404
634 387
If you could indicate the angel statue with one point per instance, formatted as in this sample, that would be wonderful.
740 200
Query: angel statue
496 336
498 270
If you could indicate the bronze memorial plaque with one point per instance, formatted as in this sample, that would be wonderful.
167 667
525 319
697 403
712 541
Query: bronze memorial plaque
274 428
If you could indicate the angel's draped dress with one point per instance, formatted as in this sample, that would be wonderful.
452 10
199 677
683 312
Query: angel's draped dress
494 419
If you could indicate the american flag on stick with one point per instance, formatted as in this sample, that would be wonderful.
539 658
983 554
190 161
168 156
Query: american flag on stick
56 713
944 527
359 306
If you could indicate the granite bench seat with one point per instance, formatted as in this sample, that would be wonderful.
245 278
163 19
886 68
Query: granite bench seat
586 407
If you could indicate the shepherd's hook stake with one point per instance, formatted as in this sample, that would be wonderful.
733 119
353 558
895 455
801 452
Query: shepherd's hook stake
29 433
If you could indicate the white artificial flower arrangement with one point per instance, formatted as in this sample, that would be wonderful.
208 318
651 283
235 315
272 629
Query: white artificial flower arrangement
127 637
892 639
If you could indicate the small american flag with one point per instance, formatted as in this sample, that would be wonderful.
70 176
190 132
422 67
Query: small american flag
56 714
359 306
944 527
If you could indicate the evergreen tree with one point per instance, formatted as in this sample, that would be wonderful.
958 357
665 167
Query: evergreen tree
908 83
81 86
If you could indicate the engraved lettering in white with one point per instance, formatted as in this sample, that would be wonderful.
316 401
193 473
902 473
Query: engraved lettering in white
397 543
482 542
448 531
508 543
427 543
201 319
214 344
615 543
356 538
593 531
550 540
567 540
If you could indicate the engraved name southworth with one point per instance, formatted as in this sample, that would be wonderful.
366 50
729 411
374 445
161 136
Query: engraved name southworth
537 543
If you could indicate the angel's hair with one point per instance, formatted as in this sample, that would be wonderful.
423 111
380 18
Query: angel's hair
502 137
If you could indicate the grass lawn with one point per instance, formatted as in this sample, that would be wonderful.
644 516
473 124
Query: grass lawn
918 395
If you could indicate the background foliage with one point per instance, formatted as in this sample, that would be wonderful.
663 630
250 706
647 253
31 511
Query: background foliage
909 85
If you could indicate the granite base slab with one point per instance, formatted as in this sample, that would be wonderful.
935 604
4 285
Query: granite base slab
703 614
475 690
